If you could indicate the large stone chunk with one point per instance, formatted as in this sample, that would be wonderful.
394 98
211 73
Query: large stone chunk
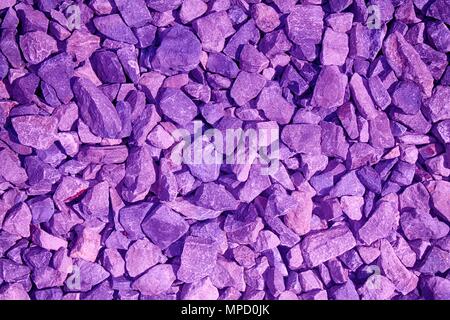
113 27
305 24
436 288
333 140
18 220
380 132
36 131
177 106
82 44
252 60
90 274
179 51
135 13
164 226
96 109
96 201
222 64
330 87
404 280
141 256
213 29
437 260
325 245
57 72
334 48
266 17
192 9
273 104
37 46
87 244
439 191
11 169
155 281
216 197
107 66
421 225
131 217
406 62
383 221
139 175
362 97
438 105
10 49
246 87
407 97
198 259
302 138
247 33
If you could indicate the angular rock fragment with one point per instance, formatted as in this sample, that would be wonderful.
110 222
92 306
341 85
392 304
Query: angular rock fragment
404 280
141 256
57 72
164 226
406 62
213 29
302 138
197 260
325 245
107 67
383 221
246 87
96 110
37 46
330 88
305 24
113 27
177 106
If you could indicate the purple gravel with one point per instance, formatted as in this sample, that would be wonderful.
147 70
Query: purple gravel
118 180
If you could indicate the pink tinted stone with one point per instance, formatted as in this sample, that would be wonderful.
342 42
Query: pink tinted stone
406 62
246 87
362 98
200 290
156 280
334 48
274 106
213 29
18 220
404 280
330 88
266 18
305 23
439 191
46 240
383 221
197 260
141 256
325 245
36 131
87 244
302 138
192 9
37 46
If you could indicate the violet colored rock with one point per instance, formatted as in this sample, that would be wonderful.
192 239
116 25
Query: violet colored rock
197 260
169 57
164 226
